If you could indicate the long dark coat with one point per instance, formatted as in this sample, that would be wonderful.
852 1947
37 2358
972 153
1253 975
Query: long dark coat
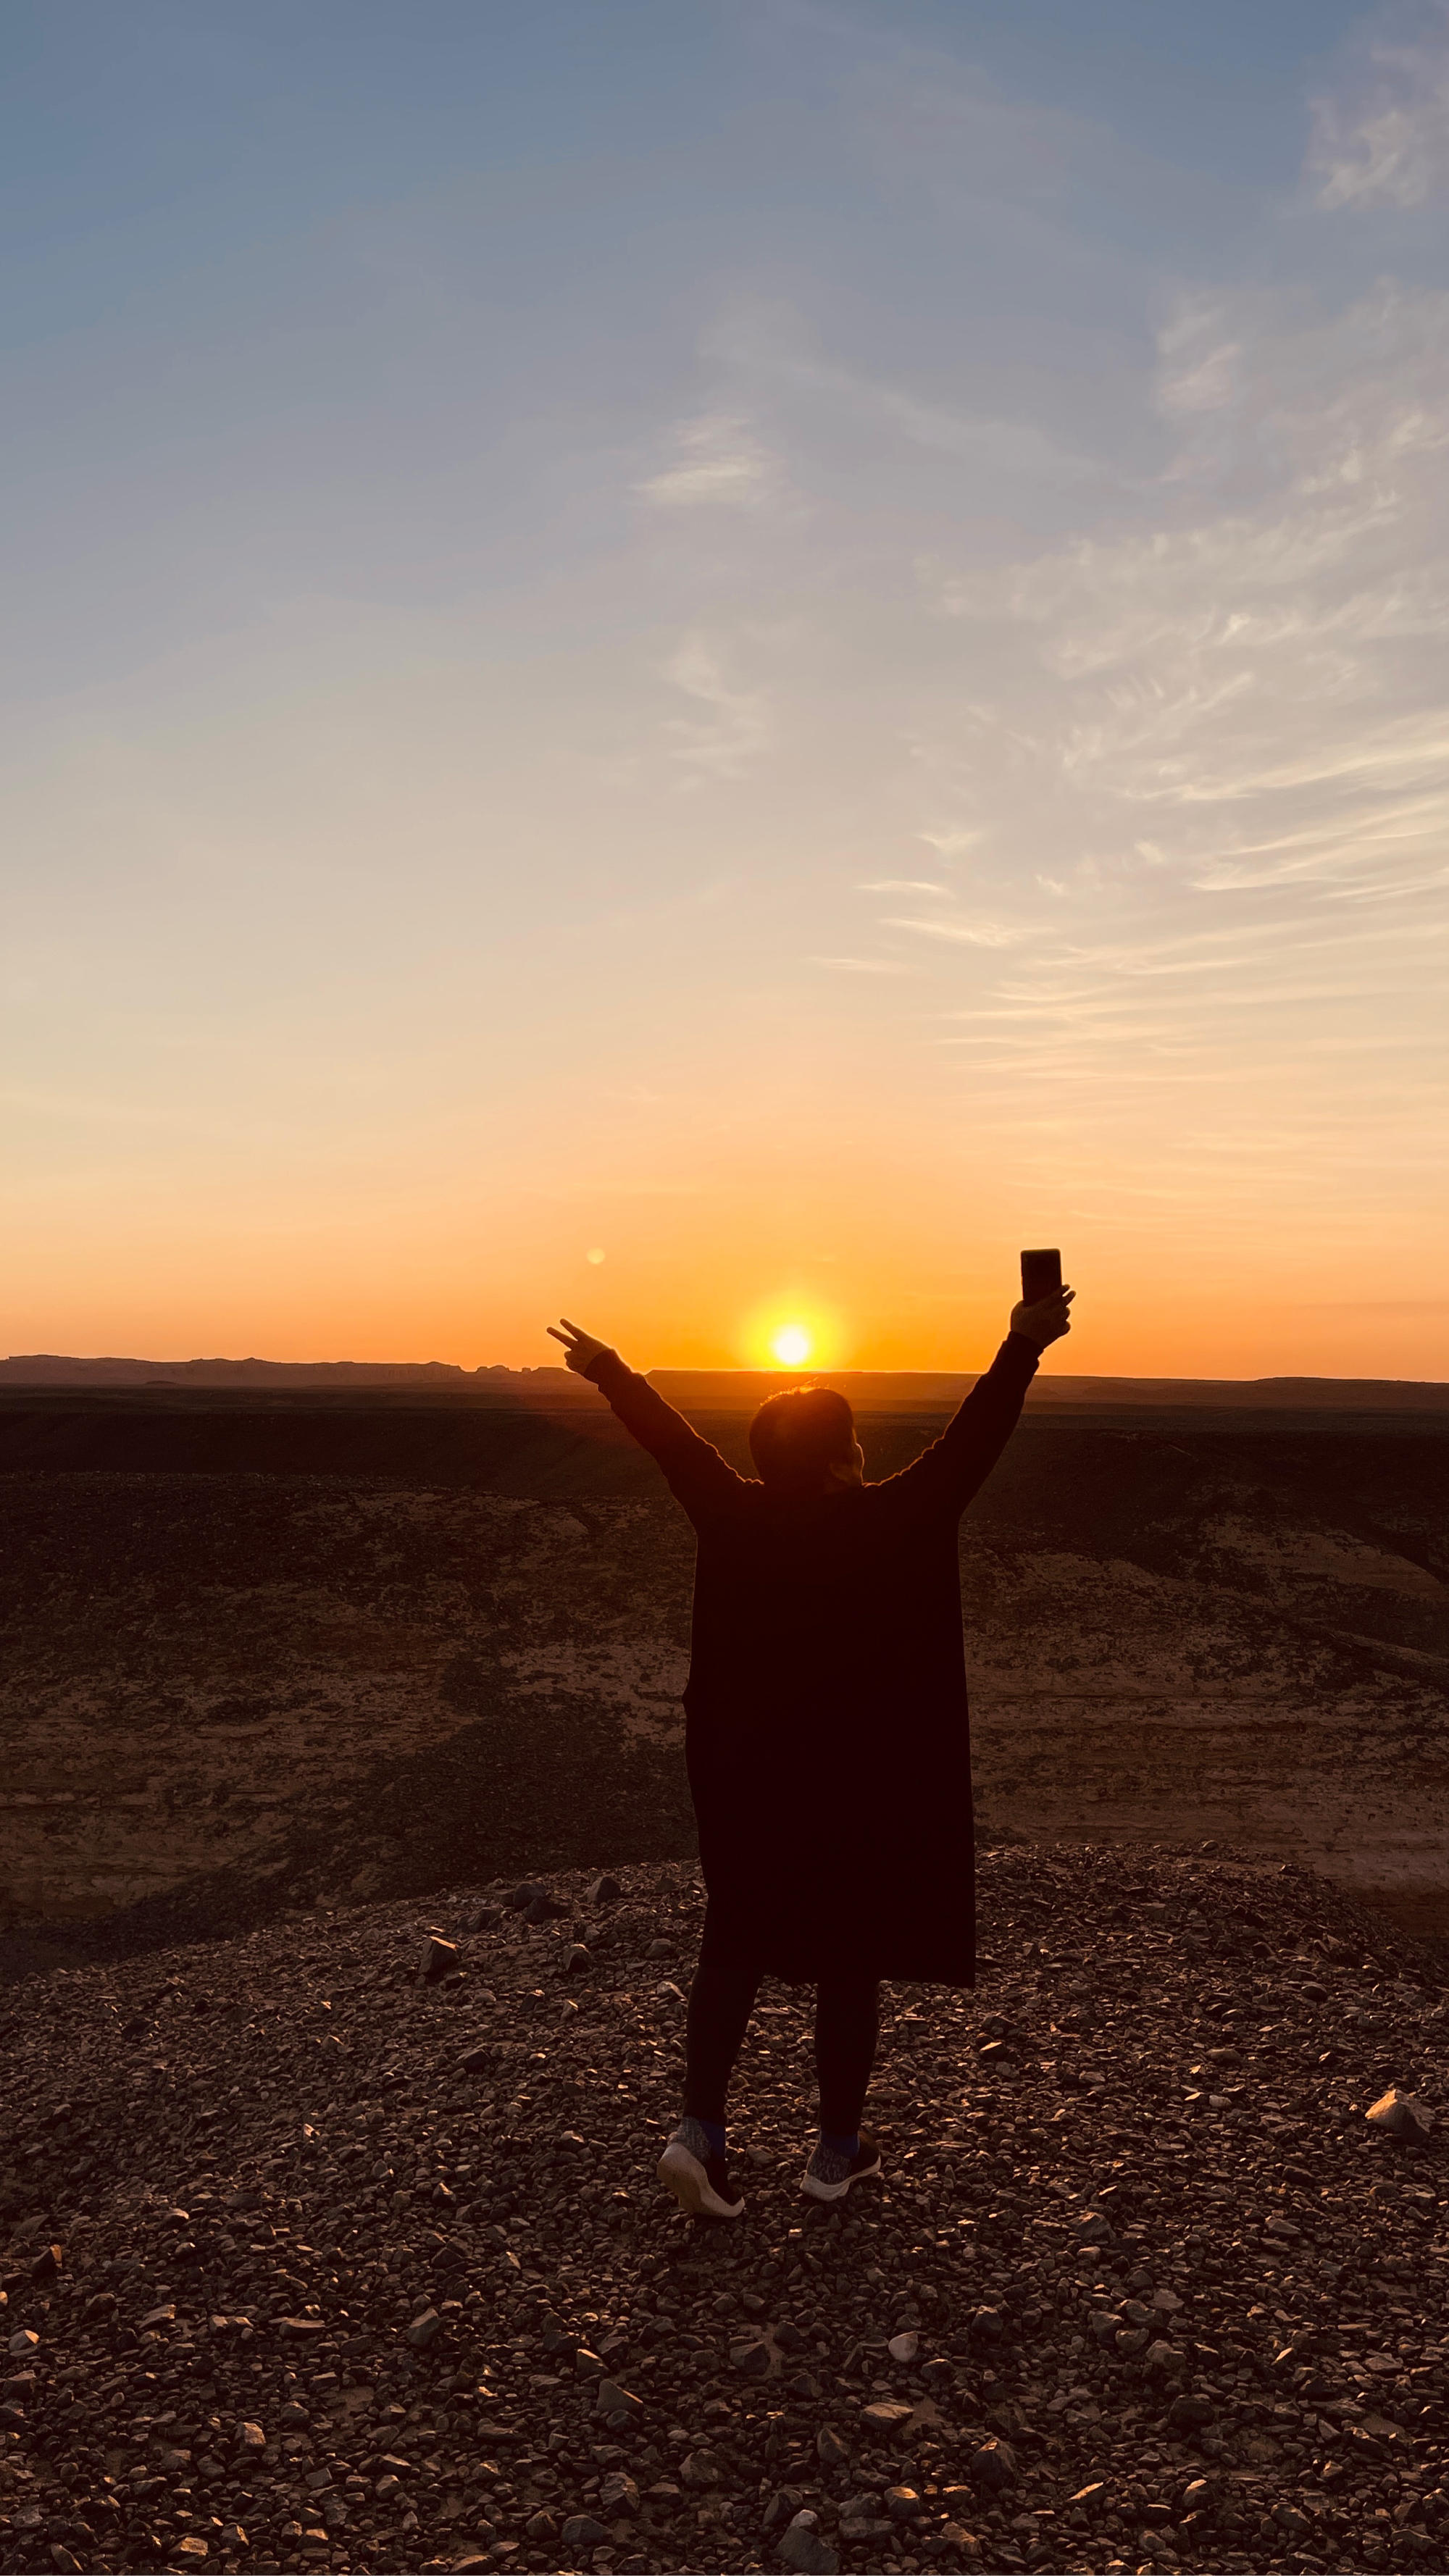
827 1735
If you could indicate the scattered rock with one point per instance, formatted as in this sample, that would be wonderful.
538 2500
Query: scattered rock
1189 2414
612 2401
363 2182
802 2547
700 2469
904 2347
885 2415
543 1908
993 2466
439 1958
1401 2115
1297 2525
603 1891
424 2329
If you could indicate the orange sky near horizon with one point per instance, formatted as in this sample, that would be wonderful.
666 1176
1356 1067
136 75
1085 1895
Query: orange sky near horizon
884 1269
1226 1108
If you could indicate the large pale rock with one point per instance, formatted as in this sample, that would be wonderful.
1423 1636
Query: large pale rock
1401 2115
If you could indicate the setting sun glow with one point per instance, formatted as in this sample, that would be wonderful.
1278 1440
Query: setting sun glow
791 1345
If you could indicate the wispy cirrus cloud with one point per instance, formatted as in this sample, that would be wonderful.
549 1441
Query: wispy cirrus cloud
962 933
1199 363
1197 752
902 885
1254 691
948 840
774 349
718 464
730 726
1382 138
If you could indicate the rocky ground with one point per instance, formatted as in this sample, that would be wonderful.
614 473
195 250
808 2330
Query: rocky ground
313 2259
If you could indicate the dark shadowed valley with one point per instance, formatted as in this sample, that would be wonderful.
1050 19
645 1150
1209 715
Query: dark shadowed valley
275 1644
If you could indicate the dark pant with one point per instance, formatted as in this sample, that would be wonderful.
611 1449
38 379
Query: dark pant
721 2000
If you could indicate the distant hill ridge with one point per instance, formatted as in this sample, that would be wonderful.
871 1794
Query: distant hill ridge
47 1368
723 1390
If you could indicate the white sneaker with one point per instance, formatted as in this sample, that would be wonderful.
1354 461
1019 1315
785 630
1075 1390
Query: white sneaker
699 2179
829 2174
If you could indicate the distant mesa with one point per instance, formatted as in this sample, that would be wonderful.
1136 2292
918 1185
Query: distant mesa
731 1390
49 1368
929 1391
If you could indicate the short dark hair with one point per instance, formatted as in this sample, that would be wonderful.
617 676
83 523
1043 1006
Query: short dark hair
798 1434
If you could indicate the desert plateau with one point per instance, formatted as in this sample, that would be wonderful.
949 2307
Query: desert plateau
286 1644
350 1910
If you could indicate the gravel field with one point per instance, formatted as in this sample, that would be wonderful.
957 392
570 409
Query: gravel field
331 2246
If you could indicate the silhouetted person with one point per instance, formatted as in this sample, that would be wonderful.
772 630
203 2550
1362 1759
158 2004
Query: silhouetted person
827 1730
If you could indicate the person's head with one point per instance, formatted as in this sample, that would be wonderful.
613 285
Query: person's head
803 1442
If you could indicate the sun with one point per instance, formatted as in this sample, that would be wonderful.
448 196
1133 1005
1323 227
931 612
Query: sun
792 1345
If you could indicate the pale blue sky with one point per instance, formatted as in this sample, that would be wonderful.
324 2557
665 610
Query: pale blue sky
602 600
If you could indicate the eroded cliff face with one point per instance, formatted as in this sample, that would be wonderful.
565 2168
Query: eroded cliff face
222 1690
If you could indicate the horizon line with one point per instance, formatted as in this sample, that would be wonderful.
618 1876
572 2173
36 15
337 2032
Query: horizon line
700 1368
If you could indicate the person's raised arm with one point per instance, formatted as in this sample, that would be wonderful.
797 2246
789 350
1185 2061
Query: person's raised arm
958 1464
691 1467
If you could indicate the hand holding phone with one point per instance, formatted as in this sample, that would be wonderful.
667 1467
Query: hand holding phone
1043 1315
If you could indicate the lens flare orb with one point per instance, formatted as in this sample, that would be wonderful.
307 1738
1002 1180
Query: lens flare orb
791 1345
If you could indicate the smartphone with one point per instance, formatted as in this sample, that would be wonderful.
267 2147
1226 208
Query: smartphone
1041 1276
